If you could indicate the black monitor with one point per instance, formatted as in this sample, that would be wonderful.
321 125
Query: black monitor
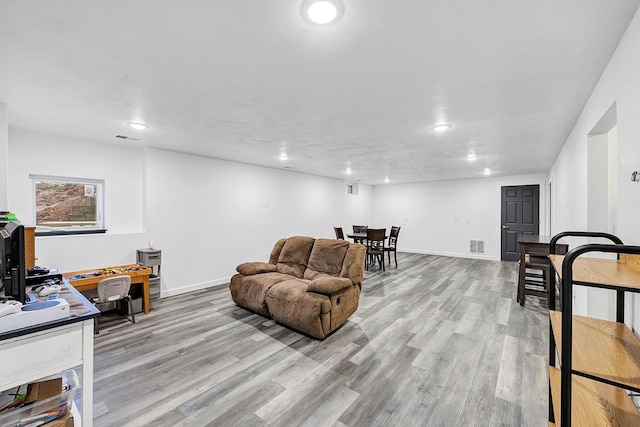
12 266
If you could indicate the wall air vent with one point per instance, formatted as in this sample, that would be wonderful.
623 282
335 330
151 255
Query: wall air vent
476 246
128 138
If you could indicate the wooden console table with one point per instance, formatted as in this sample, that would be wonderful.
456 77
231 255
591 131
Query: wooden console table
90 279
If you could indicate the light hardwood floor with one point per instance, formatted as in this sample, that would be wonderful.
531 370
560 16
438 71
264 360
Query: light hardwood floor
437 341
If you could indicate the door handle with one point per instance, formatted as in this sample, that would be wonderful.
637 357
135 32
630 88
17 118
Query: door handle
505 227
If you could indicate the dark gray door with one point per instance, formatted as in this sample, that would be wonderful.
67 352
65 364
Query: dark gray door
520 215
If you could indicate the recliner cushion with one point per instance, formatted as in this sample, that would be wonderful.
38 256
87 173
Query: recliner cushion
290 304
295 255
326 258
250 291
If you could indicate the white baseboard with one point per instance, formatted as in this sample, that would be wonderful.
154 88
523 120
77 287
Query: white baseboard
224 281
449 254
194 287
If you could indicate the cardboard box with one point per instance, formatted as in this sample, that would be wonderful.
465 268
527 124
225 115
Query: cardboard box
50 400
64 421
43 390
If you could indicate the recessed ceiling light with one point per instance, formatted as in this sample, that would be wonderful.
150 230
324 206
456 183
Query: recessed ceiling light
487 171
348 171
472 157
322 12
138 125
441 127
283 156
386 180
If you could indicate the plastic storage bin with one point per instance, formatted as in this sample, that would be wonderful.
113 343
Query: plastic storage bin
44 410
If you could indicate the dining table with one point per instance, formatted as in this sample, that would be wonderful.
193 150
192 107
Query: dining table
361 237
357 237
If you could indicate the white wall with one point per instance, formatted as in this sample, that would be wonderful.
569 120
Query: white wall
612 156
122 170
206 215
209 215
598 182
441 217
620 83
120 167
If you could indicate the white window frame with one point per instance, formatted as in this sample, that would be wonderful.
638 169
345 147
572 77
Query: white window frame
72 229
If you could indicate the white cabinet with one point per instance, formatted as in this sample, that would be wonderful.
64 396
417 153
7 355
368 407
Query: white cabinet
44 350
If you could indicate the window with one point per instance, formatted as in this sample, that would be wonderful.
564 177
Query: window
68 205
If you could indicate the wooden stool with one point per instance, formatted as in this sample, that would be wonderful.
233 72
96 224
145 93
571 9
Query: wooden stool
534 282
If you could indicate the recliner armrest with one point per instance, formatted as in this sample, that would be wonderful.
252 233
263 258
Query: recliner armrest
249 268
329 285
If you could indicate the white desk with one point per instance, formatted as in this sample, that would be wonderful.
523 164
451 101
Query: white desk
48 349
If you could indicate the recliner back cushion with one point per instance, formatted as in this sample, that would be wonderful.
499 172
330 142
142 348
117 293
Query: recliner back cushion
275 252
295 255
326 259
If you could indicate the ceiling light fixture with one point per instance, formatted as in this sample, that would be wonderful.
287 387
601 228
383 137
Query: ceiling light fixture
386 180
441 127
487 171
283 156
138 125
348 171
472 157
322 12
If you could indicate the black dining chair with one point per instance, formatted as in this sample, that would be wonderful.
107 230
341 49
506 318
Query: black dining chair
393 242
360 229
375 246
339 233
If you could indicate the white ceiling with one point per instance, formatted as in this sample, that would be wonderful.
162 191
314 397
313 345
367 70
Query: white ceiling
244 79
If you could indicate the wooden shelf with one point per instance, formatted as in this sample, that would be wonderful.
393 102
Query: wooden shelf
594 403
601 348
608 273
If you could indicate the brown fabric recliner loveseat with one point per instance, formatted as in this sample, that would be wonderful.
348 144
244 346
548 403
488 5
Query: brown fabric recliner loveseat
311 285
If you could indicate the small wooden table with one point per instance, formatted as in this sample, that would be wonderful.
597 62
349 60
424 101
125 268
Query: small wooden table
537 247
90 279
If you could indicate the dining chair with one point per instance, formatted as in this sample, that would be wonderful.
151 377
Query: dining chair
393 241
375 246
360 229
110 291
339 233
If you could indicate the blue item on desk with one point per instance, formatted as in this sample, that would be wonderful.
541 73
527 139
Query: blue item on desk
83 276
30 298
35 313
40 305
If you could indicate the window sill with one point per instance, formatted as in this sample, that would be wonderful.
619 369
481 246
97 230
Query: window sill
70 232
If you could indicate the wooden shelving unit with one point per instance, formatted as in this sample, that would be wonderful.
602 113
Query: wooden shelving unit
594 403
598 360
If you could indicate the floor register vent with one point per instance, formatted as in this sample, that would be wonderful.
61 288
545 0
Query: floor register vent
476 246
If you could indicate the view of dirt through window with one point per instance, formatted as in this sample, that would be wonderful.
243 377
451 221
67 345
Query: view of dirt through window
59 204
